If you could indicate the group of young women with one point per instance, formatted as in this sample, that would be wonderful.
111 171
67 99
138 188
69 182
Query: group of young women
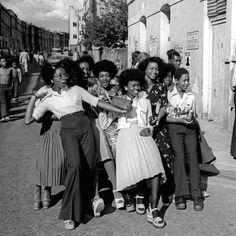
140 129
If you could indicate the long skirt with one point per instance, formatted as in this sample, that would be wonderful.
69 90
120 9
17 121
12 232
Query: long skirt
233 140
48 166
137 158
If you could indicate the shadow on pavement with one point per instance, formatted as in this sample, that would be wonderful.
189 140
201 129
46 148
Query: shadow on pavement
56 198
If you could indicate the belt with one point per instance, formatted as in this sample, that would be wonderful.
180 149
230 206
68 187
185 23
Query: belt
74 114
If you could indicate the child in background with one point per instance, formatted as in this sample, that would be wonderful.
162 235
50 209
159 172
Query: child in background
16 80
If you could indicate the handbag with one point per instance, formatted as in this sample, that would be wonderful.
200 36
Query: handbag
122 103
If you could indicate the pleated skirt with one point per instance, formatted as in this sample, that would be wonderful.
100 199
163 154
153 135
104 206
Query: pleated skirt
49 164
137 158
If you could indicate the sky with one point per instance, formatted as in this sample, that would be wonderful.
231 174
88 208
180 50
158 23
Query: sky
50 14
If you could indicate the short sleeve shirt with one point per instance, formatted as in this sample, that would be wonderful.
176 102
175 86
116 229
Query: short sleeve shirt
180 106
64 103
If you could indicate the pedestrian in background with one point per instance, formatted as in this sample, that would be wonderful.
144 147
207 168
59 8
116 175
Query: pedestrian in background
24 60
16 78
182 133
41 60
48 167
5 90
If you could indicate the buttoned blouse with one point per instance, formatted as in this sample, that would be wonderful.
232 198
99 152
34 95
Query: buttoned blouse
178 106
64 103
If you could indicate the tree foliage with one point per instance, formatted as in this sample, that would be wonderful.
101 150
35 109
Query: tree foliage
108 30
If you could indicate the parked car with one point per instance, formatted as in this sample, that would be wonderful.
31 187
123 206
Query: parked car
56 58
8 54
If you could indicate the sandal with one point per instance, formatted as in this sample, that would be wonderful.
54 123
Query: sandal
139 206
119 201
69 224
37 200
98 206
129 203
46 199
157 222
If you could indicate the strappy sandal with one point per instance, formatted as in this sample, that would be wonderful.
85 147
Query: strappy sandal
98 206
157 222
129 203
139 206
119 201
69 224
46 199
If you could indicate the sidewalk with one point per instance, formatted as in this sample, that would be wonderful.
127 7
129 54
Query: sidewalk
219 140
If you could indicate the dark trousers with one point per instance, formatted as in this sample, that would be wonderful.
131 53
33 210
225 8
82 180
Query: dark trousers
15 88
184 140
79 146
5 97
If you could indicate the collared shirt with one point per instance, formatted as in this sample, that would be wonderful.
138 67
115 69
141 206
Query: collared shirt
4 76
64 103
179 107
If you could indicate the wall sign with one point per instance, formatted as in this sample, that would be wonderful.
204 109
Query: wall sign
193 40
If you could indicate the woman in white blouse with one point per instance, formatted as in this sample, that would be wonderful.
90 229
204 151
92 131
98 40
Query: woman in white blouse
65 101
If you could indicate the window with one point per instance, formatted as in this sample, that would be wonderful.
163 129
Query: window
74 24
74 36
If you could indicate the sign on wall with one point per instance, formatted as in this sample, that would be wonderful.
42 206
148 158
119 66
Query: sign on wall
193 40
153 45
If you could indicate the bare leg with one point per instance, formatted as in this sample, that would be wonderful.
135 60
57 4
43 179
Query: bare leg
155 193
111 171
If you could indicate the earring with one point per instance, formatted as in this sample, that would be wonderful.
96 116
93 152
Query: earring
52 81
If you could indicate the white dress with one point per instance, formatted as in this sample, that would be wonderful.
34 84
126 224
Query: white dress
137 157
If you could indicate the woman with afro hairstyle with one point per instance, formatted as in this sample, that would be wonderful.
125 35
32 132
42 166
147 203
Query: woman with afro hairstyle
105 71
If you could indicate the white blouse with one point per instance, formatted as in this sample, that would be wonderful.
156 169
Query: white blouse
178 106
64 103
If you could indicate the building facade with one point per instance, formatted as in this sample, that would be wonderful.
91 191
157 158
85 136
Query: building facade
202 32
16 35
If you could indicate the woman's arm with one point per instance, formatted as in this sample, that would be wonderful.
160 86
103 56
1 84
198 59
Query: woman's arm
29 111
109 107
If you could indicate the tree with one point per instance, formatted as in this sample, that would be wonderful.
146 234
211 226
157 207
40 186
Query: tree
109 30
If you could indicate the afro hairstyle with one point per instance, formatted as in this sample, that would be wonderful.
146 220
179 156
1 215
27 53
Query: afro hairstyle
86 58
131 75
105 65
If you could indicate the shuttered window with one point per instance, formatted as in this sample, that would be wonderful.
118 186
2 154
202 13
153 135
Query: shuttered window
217 11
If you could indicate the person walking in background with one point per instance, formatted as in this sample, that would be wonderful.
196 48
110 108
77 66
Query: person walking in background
41 60
16 80
24 60
5 90
48 167
182 133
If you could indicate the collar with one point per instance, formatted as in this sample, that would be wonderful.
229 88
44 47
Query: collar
175 92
